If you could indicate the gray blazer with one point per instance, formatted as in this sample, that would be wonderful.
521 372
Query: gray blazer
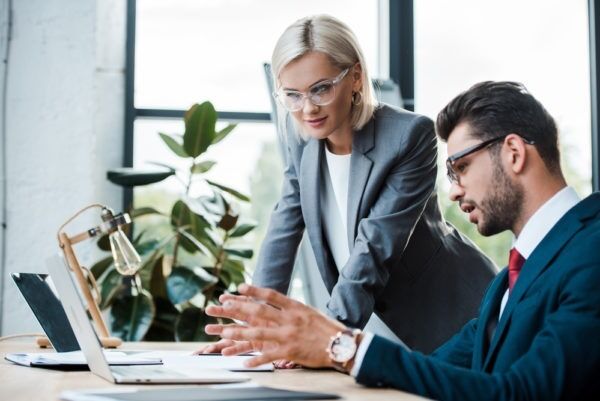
414 270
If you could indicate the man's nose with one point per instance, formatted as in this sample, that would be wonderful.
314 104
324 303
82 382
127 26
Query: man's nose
456 192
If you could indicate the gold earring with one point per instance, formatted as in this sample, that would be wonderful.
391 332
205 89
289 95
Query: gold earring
357 98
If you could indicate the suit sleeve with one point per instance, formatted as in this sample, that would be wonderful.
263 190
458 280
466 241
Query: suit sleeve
458 351
383 235
286 226
561 363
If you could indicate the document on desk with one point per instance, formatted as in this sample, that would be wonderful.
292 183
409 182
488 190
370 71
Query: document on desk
76 358
175 359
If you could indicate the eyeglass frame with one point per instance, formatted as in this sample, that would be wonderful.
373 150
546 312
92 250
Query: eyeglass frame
451 174
334 82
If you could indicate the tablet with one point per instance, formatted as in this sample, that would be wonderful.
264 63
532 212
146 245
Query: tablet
47 309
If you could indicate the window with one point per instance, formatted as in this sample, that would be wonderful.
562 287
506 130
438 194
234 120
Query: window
189 51
542 43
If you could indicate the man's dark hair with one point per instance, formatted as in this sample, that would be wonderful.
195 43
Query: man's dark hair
493 109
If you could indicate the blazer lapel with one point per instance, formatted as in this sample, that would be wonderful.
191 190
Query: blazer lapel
310 184
360 169
537 262
488 316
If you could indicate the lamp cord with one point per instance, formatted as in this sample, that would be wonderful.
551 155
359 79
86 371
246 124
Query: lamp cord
74 217
22 335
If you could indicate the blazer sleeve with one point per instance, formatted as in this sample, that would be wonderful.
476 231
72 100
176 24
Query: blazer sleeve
286 226
562 362
383 235
458 350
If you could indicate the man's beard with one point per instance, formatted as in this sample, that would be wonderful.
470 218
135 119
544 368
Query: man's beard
502 207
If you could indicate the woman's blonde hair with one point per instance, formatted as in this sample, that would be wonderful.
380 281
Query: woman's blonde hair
325 34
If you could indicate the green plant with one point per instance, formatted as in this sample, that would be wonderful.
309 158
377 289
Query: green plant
189 256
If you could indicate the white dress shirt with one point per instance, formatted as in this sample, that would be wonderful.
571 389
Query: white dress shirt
532 234
540 224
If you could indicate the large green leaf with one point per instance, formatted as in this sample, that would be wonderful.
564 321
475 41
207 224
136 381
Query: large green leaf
181 215
245 253
203 167
110 284
190 325
130 177
228 277
232 272
200 121
131 315
174 144
233 192
184 283
101 266
223 133
103 243
242 230
204 245
143 211
163 325
183 219
234 265
158 284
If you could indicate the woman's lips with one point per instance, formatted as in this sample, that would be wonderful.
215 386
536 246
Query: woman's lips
316 122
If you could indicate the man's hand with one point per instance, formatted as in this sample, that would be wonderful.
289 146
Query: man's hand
226 347
276 325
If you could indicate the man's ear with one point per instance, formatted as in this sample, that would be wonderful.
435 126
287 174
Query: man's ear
515 153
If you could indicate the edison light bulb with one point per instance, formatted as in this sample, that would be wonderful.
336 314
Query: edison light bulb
126 259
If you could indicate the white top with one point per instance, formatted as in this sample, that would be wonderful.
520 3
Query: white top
334 205
540 224
335 176
533 233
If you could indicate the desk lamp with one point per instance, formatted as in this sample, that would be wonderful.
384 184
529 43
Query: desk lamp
126 260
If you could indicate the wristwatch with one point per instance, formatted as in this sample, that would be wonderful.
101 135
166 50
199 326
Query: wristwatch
342 348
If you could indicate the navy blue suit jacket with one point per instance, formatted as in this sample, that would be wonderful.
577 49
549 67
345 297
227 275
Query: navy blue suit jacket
546 346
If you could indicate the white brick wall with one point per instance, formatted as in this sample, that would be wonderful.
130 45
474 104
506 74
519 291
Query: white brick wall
64 128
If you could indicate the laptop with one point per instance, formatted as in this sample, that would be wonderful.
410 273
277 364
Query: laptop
92 349
47 310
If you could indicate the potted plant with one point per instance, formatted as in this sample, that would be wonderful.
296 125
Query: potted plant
189 255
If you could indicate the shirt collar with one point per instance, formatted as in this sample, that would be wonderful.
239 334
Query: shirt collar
544 219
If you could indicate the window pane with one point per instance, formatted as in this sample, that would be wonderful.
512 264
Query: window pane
248 160
542 43
189 51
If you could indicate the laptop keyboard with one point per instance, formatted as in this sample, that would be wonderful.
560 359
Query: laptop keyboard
146 371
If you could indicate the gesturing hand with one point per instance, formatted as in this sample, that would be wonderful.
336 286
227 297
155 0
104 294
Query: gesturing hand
276 325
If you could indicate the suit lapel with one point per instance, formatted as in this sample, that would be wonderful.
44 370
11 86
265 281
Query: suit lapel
310 184
488 316
360 169
537 262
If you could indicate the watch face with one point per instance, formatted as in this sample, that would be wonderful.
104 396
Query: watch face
343 348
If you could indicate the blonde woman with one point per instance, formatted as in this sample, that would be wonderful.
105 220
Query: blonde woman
360 179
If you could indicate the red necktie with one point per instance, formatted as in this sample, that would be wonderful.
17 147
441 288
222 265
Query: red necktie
515 262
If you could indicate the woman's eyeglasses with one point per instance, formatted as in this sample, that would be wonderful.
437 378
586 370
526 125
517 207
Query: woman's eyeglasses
320 94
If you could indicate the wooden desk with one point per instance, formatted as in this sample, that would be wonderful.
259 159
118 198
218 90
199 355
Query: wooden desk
22 383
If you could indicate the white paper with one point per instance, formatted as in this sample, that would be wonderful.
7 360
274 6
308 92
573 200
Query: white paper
77 358
175 359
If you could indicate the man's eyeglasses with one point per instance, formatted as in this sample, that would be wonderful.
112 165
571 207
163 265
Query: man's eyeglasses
320 94
453 175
